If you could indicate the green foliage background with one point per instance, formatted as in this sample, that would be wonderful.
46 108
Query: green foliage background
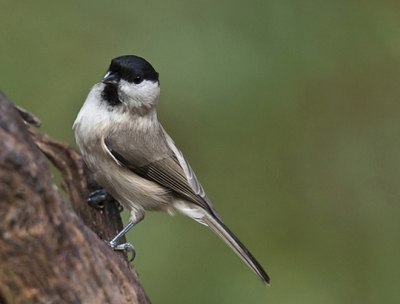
287 110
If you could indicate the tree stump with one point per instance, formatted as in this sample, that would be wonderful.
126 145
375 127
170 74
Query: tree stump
50 252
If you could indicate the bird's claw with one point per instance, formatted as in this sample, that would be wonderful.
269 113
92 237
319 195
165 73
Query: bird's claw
97 198
127 247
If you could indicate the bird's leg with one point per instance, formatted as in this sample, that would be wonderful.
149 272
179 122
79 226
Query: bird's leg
136 217
97 198
125 246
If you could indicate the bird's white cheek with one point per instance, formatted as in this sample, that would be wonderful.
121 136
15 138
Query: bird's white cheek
143 94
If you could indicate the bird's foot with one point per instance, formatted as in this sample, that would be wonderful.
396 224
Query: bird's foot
99 197
127 247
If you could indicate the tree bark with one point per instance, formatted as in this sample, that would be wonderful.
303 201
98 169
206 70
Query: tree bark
48 252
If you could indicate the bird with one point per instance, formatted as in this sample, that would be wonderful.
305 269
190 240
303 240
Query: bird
135 160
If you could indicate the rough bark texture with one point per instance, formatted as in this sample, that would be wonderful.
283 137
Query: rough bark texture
49 253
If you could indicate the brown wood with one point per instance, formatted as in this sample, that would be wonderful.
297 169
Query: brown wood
48 252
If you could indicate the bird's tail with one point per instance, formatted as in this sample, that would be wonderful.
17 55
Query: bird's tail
229 238
204 217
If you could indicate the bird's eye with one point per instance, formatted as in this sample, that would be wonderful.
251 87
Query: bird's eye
138 79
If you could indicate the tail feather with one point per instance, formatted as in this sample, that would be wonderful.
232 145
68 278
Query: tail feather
229 238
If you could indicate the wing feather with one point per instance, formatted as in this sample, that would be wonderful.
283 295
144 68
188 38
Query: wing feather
172 172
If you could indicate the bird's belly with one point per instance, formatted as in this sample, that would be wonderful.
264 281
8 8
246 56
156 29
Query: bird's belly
131 190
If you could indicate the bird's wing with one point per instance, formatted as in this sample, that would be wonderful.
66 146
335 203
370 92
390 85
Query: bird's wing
164 165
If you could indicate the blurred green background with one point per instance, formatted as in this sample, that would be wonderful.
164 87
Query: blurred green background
288 111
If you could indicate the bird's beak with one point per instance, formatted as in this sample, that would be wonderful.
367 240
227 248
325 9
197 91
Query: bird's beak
111 78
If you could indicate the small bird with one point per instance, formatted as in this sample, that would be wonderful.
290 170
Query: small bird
134 159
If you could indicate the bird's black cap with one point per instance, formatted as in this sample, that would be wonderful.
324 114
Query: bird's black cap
129 67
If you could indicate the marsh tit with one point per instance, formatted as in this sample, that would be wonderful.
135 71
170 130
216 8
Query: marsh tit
136 161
